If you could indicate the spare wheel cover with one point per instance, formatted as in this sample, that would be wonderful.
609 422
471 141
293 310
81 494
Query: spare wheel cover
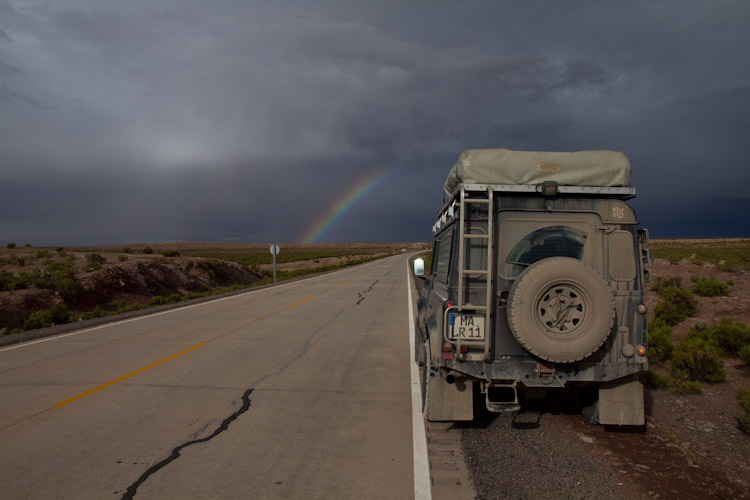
561 310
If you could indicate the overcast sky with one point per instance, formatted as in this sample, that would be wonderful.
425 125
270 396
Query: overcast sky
141 121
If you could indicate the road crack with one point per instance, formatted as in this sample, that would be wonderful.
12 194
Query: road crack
133 488
362 294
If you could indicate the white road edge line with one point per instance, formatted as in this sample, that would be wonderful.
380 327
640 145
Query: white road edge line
56 337
422 487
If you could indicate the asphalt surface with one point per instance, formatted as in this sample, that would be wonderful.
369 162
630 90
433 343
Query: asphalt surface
296 391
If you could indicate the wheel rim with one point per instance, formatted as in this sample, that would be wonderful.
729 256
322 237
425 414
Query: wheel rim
561 309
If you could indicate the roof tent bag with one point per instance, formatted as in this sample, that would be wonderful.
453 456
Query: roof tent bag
599 168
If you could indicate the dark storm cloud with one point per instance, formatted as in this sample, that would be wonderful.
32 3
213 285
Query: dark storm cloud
244 121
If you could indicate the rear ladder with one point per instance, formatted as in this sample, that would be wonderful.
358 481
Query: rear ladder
477 230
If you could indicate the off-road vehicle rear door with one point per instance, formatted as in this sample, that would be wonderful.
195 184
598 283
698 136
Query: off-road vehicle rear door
525 238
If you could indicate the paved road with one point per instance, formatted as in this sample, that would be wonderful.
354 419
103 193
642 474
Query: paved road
296 391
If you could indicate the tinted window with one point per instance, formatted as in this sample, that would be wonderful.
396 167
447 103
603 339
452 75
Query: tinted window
444 255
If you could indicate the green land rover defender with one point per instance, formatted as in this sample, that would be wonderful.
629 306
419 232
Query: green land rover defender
536 284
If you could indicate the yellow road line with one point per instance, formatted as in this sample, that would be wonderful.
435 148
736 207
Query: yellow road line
341 284
112 382
301 301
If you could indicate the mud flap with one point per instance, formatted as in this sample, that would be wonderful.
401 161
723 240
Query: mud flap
449 401
620 403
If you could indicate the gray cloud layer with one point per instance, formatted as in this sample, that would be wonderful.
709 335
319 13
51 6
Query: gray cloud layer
244 121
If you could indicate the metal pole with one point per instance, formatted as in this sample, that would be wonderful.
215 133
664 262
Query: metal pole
274 267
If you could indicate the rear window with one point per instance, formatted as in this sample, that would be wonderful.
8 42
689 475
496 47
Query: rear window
550 241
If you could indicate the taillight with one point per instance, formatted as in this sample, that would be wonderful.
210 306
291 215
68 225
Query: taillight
464 349
447 304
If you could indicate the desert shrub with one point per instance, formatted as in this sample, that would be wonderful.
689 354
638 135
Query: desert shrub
94 262
171 253
39 319
59 249
132 307
660 348
28 279
160 300
661 282
157 300
708 287
67 285
7 281
213 266
116 305
148 250
58 314
745 421
680 386
727 336
697 260
744 354
677 305
699 360
27 245
127 250
122 257
10 245
42 254
653 379
60 276
743 394
97 312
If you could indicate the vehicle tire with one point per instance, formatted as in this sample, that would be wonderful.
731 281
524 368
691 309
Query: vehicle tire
561 310
418 349
424 372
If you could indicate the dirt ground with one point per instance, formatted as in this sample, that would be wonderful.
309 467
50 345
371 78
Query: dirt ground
705 427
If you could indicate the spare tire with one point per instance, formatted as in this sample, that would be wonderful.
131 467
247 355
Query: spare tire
561 310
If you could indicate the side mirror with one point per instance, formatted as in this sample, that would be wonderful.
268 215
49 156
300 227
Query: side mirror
418 267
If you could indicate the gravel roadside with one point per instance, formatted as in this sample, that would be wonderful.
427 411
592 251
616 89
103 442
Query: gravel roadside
523 456
557 453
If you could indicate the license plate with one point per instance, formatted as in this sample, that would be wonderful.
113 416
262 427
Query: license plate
465 327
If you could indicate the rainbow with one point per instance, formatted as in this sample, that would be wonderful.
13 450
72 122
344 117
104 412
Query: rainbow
344 204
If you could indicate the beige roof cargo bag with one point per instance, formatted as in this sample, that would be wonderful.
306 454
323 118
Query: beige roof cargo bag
600 168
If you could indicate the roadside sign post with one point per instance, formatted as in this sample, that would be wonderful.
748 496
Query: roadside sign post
274 252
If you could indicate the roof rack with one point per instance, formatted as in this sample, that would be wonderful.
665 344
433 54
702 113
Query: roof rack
537 188
446 209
